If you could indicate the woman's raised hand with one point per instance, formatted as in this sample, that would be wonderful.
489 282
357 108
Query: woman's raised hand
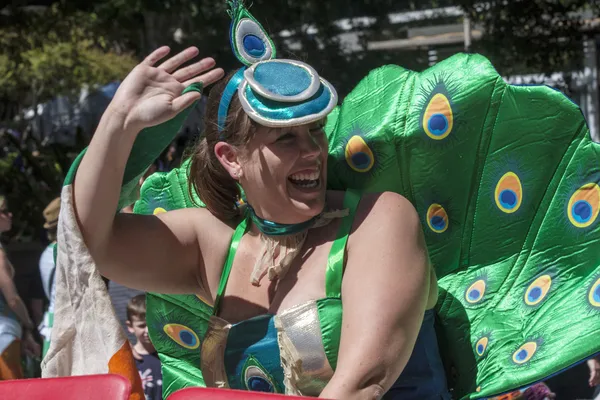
151 94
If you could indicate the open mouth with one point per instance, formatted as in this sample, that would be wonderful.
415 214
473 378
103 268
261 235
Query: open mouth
306 180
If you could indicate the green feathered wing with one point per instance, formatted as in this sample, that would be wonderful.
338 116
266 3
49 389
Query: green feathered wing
505 180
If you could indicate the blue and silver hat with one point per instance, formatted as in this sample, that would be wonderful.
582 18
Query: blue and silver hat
273 92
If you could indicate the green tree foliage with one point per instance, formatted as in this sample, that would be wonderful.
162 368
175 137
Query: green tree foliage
533 35
44 53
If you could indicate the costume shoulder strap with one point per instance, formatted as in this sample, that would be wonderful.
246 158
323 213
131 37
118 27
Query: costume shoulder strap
235 242
335 262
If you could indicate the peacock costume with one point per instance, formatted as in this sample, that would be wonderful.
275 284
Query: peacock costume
506 181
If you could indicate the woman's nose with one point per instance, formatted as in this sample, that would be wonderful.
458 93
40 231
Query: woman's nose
311 148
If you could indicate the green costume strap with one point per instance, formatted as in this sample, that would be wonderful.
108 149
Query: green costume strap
335 262
235 242
330 308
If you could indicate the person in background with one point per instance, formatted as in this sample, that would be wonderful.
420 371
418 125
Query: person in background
594 380
47 270
15 322
146 357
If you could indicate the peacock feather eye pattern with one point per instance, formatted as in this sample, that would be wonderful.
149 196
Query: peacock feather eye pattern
175 333
438 118
358 154
476 291
537 291
584 205
437 218
507 181
438 112
358 157
481 345
182 335
508 193
249 40
526 351
593 293
256 378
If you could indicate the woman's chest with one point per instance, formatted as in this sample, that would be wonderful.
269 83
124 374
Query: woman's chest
304 281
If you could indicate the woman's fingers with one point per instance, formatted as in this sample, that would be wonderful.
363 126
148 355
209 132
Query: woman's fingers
184 101
208 78
156 55
174 62
191 71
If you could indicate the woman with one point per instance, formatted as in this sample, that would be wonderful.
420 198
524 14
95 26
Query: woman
14 318
387 285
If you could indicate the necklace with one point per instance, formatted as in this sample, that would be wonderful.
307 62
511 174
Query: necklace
283 242
271 228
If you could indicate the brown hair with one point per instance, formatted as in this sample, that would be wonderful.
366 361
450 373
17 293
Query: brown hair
136 307
208 178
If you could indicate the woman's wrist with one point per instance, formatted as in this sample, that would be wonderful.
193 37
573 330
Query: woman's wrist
115 120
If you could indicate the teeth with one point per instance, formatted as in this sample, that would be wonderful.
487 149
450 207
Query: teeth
305 177
309 184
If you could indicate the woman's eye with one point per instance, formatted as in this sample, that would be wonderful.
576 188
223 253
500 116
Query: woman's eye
318 130
285 137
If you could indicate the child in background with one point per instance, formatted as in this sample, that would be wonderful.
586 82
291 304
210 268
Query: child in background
144 352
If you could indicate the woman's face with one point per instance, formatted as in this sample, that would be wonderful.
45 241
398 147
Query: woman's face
5 217
284 172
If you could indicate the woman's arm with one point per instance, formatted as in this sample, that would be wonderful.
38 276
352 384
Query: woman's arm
15 303
384 294
11 296
140 251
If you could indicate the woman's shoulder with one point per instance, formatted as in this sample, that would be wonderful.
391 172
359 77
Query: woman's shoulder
202 219
376 206
386 213
391 202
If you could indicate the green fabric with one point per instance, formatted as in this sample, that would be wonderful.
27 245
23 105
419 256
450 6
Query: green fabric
504 179
235 242
491 259
172 321
335 261
330 318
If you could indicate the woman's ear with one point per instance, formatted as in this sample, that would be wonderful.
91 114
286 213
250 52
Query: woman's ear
228 157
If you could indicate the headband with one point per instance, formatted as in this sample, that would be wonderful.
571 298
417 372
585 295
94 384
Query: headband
273 92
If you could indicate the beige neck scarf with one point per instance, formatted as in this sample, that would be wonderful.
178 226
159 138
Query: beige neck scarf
278 252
